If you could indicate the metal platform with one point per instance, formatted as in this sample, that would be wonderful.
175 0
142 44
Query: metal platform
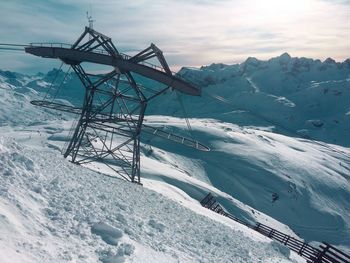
145 128
122 62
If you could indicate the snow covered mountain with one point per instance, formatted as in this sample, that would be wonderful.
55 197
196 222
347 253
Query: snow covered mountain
257 117
298 96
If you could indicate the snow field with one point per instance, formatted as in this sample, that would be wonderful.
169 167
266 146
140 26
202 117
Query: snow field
57 211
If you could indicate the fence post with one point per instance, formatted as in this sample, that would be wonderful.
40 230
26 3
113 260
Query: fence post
323 252
211 203
216 207
312 254
300 252
285 242
206 199
257 227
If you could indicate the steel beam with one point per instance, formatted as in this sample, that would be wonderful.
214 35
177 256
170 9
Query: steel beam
74 57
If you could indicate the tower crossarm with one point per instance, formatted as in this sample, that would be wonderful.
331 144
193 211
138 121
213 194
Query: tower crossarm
75 57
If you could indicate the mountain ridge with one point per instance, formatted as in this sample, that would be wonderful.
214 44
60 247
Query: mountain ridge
242 119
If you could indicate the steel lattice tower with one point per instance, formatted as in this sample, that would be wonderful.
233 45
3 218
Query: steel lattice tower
111 117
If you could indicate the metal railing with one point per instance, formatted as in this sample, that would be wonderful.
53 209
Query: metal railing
175 138
50 44
330 254
98 51
325 254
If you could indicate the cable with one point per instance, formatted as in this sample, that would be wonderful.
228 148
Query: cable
52 82
185 114
11 47
62 82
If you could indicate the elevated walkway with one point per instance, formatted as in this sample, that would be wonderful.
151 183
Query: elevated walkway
145 128
122 62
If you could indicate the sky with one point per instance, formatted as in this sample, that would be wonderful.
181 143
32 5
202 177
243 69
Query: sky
190 32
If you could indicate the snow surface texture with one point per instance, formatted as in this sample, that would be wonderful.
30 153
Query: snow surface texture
255 173
54 211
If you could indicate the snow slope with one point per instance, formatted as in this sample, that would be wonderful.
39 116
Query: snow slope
54 211
310 178
249 165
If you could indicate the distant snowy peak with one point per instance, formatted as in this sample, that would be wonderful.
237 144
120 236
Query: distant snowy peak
285 65
20 80
285 58
252 61
296 94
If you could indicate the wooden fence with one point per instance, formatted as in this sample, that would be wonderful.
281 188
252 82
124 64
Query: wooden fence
326 253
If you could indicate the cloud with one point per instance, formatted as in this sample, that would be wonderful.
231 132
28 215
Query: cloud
341 2
189 32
